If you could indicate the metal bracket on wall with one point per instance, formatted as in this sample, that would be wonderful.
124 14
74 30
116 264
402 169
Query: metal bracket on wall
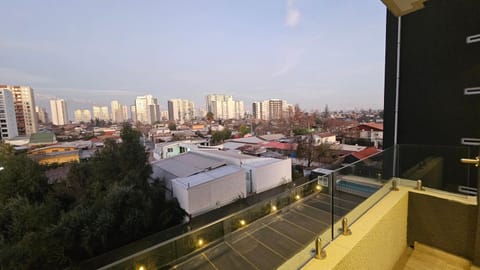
472 91
471 141
473 39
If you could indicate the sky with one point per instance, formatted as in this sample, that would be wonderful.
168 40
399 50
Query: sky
89 52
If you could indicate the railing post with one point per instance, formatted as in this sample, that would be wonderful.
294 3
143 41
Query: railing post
394 185
320 253
345 229
419 185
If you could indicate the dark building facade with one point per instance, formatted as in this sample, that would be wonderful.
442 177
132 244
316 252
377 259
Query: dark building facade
436 60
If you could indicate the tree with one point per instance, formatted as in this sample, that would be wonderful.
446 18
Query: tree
309 151
243 130
210 117
172 126
220 136
21 176
104 203
306 149
301 131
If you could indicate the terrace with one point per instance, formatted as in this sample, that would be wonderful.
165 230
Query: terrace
285 231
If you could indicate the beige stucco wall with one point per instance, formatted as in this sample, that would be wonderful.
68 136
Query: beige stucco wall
378 239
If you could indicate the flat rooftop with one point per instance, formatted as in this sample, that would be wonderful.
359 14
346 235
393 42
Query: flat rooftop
205 177
188 164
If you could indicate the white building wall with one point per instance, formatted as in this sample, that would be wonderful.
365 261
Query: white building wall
224 107
211 195
265 110
141 109
8 122
270 175
59 112
101 113
181 110
118 111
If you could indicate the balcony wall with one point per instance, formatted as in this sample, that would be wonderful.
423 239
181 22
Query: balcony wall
380 237
443 223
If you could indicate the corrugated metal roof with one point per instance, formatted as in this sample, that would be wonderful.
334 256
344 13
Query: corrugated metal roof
218 154
188 164
232 145
205 177
272 137
250 140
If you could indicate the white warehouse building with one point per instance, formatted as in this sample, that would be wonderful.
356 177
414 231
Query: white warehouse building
208 190
205 180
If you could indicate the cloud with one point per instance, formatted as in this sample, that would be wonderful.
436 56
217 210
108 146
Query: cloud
293 14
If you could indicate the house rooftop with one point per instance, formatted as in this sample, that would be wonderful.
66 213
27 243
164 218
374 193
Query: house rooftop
272 137
188 164
365 153
207 176
219 154
43 138
250 140
373 125
280 146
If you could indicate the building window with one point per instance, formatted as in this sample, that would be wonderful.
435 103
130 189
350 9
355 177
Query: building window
169 150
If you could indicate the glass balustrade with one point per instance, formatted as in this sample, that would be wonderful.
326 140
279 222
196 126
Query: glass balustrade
286 225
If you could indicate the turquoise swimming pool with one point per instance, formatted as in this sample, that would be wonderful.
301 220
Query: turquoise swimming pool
351 187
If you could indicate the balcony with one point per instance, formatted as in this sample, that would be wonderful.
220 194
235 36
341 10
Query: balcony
353 214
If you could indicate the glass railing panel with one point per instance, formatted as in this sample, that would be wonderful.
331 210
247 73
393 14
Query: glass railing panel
309 219
306 208
438 167
300 215
359 186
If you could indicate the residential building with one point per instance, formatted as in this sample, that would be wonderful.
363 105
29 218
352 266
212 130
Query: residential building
163 115
277 108
59 111
365 134
125 112
101 113
224 107
147 109
42 114
133 113
271 109
239 112
119 112
180 110
24 100
256 110
82 115
174 148
324 138
8 120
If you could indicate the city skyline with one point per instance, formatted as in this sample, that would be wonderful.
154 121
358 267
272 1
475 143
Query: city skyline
305 51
